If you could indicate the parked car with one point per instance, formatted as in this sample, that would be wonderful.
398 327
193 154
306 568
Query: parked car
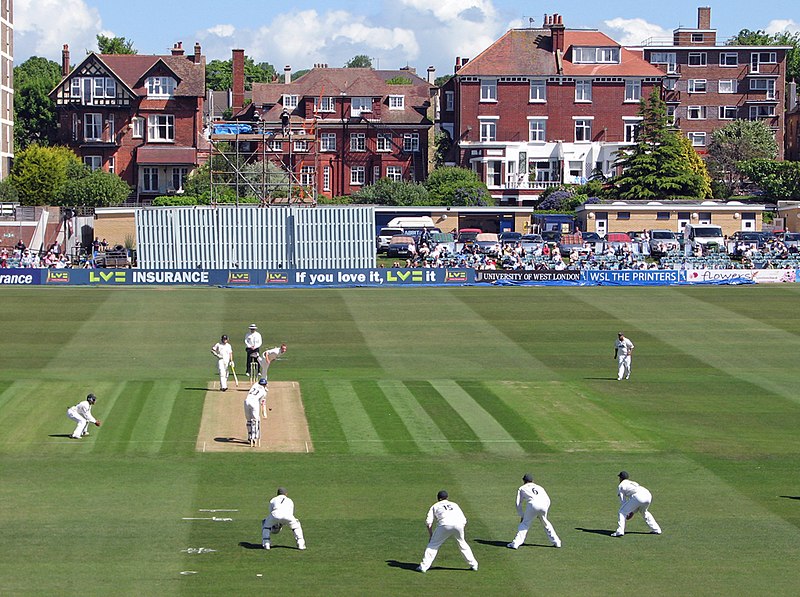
791 239
510 238
551 236
663 241
467 235
616 240
385 236
532 243
749 239
488 243
401 246
592 240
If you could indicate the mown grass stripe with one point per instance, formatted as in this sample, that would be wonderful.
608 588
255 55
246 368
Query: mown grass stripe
426 433
493 435
184 420
150 428
390 426
362 438
323 424
120 421
460 435
513 422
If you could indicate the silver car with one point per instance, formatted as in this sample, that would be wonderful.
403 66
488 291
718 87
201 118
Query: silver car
532 243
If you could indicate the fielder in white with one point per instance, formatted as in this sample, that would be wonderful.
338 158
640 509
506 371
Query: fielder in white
532 503
252 403
81 413
224 352
450 523
264 361
623 348
634 498
281 512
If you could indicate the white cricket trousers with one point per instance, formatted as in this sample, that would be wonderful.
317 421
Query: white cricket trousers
252 418
441 534
82 424
624 369
639 502
223 373
292 523
532 512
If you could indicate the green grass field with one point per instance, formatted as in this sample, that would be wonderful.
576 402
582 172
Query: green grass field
407 391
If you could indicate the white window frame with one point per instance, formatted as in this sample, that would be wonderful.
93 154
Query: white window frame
755 111
670 59
698 86
449 101
307 176
326 178
488 130
756 60
160 87
633 90
697 38
672 114
137 127
324 104
358 142
696 112
630 128
727 85
92 126
538 91
595 55
394 173
357 175
359 105
488 90
725 59
583 123
93 162
160 128
327 142
179 176
725 112
112 165
275 145
768 86
290 101
397 102
410 142
376 173
300 145
383 142
583 91
695 59
537 129
697 138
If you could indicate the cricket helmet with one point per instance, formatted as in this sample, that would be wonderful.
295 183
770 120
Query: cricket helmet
262 381
91 398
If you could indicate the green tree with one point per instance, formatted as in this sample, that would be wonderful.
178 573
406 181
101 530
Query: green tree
780 181
457 186
114 45
697 166
746 37
390 192
8 192
657 165
219 73
35 119
738 141
440 81
96 188
443 144
40 173
360 61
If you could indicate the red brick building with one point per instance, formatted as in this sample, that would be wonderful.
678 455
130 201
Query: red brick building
338 129
707 85
138 116
543 107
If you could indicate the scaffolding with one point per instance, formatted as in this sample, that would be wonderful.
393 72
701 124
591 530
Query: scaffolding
254 159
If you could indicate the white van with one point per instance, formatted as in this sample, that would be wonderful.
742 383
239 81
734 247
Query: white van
406 222
702 235
385 236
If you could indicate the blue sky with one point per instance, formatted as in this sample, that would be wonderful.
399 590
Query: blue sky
393 33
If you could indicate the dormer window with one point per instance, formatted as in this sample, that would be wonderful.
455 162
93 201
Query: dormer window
89 89
359 105
397 102
160 87
595 55
290 101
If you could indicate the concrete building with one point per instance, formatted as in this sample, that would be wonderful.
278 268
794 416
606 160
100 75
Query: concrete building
6 86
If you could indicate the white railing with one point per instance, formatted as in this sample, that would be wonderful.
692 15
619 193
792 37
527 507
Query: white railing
515 181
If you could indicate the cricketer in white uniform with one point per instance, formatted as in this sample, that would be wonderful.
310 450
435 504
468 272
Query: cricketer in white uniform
252 344
264 362
252 403
623 348
281 512
450 523
224 352
532 503
634 498
81 413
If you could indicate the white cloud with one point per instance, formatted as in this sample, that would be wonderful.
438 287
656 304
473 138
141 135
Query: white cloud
633 32
42 27
448 11
222 30
782 25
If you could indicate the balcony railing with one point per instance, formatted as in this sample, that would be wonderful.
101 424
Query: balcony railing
516 181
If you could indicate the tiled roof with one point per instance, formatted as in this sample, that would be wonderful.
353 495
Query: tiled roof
528 52
349 82
132 68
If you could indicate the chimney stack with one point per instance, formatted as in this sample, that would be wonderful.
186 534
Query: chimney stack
555 23
65 60
198 56
237 82
431 75
177 49
704 17
287 74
